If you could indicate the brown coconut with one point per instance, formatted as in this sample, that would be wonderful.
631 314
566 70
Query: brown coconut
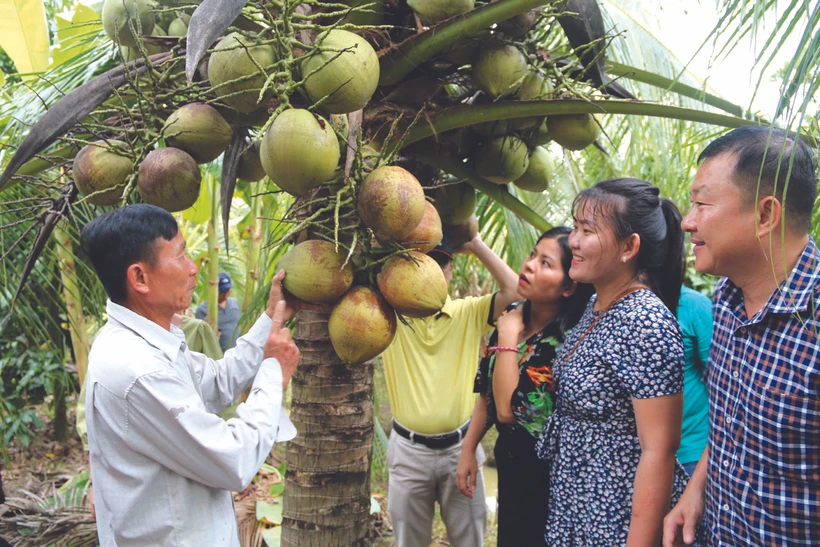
461 234
98 167
198 129
391 202
427 234
169 178
415 286
361 325
250 167
315 271
455 203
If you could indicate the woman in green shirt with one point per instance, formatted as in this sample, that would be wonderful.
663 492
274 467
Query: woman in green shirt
695 320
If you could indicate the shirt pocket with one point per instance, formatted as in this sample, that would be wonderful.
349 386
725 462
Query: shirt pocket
783 431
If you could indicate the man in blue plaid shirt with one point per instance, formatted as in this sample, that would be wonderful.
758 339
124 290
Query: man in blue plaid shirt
759 478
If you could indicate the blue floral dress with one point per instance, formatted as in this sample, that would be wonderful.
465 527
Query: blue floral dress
634 351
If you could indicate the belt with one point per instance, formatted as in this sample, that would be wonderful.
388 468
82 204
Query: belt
445 440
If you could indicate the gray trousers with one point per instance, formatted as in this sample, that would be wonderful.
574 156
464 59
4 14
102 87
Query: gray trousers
421 476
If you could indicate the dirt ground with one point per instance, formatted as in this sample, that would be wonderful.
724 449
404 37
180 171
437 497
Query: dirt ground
45 465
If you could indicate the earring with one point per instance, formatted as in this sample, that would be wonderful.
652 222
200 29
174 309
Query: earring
623 259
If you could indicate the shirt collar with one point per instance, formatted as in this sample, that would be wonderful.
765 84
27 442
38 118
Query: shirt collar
448 308
169 342
793 295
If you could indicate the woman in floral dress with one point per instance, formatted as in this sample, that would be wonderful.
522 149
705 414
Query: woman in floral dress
619 375
515 384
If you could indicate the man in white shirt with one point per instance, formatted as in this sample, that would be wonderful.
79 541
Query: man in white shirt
163 464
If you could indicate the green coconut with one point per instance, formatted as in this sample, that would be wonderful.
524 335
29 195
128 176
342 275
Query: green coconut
177 27
502 159
299 151
102 166
455 203
539 171
534 87
391 202
132 53
231 61
198 129
573 131
415 286
499 68
169 178
316 271
361 325
427 234
542 134
431 12
370 12
118 16
343 82
250 166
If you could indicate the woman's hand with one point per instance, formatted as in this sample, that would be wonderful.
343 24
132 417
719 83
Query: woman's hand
510 327
467 471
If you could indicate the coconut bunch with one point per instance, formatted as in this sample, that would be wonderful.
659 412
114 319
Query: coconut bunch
387 280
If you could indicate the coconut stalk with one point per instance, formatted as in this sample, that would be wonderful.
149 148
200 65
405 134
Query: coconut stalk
461 116
327 492
213 255
73 300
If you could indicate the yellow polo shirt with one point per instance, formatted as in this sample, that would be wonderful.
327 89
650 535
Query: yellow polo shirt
430 369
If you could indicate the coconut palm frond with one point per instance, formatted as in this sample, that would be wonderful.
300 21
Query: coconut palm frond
32 521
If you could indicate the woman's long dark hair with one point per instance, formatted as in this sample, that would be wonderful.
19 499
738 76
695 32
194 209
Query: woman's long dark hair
634 206
572 307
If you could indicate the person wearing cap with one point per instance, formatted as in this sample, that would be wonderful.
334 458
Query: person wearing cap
229 313
430 367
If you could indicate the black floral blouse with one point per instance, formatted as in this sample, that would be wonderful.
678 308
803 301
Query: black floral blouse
532 401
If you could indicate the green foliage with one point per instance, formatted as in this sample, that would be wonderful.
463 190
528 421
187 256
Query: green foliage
28 374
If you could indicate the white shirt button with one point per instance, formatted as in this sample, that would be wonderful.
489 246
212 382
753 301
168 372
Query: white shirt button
725 463
728 419
742 330
735 374
725 506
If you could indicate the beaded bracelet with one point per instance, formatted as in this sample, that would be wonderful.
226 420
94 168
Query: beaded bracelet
496 349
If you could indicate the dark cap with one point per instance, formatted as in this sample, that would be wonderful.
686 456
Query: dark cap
443 252
224 282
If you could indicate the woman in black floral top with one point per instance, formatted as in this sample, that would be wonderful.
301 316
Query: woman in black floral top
516 389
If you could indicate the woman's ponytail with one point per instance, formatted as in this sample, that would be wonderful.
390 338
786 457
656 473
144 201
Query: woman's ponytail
669 277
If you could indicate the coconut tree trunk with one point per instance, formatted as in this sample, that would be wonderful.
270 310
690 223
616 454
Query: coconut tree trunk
327 492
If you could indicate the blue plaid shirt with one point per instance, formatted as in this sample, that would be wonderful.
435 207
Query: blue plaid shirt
763 484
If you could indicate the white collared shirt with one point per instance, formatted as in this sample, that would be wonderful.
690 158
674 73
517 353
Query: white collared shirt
163 463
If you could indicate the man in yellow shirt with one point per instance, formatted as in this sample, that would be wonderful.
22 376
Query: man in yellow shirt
430 368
